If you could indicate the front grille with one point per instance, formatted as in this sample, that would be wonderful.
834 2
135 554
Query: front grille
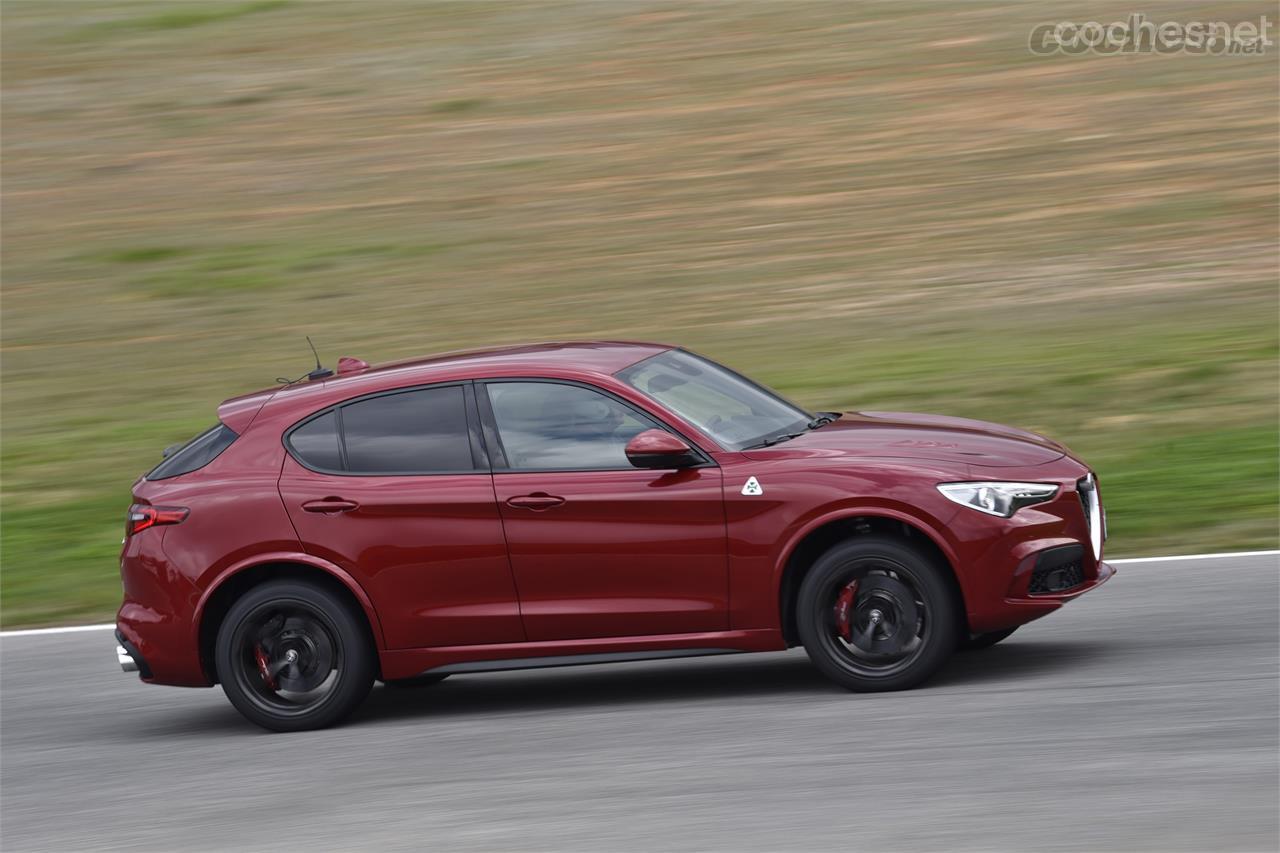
1094 520
1057 570
1083 488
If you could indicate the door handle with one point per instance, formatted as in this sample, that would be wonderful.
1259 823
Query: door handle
536 501
330 505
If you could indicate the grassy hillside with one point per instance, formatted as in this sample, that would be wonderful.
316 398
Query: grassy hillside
885 206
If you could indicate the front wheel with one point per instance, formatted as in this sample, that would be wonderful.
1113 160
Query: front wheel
292 656
876 614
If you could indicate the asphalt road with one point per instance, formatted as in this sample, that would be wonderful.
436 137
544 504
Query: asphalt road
1143 716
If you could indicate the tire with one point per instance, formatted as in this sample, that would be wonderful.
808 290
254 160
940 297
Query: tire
900 616
293 656
984 641
418 681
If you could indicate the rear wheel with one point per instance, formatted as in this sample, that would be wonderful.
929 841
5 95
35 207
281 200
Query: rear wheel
985 641
292 656
876 614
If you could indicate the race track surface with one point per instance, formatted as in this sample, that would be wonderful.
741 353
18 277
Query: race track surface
1143 716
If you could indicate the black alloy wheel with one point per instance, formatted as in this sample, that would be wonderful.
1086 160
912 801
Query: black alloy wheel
292 656
876 614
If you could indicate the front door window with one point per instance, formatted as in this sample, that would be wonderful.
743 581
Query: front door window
547 426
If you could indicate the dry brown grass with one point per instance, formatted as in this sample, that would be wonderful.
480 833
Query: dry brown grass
878 206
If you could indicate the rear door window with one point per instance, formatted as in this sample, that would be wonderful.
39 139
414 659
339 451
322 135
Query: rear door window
423 431
413 431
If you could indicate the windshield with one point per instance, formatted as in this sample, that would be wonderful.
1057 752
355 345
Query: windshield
730 408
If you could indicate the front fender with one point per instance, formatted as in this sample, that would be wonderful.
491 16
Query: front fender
765 528
932 527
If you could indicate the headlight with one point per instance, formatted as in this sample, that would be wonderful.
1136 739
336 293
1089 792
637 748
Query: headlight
997 498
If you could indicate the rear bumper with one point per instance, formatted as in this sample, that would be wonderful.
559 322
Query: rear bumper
129 658
156 623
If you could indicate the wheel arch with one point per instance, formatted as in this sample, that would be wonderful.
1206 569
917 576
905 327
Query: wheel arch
234 581
812 540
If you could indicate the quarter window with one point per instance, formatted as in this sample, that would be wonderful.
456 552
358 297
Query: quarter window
195 454
546 425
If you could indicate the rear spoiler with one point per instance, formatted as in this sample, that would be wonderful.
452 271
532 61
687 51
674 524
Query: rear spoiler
239 412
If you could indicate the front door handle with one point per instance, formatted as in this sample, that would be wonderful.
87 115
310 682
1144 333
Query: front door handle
535 501
330 505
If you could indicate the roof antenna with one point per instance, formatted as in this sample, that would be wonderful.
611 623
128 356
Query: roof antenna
319 372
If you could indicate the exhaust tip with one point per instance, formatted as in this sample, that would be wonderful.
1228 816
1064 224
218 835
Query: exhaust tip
126 661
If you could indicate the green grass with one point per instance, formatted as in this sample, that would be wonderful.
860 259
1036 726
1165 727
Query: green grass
183 16
882 207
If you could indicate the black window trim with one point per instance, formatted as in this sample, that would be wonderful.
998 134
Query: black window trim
493 441
479 458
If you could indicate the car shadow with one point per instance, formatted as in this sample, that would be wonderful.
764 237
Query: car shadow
738 677
734 677
1017 659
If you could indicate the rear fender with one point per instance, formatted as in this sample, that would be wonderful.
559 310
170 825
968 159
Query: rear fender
296 558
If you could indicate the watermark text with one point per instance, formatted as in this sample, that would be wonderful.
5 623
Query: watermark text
1138 34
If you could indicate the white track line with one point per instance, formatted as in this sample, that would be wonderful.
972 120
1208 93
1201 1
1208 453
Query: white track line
75 629
1132 560
66 629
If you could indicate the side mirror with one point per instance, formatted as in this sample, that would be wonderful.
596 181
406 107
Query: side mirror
654 448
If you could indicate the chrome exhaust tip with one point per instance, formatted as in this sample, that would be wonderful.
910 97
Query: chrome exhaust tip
126 661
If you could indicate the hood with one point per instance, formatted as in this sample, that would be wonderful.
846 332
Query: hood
912 436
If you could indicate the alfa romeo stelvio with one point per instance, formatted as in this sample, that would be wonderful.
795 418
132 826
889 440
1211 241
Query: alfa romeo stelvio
582 503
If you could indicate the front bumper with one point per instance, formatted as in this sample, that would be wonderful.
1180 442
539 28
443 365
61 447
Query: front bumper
1019 569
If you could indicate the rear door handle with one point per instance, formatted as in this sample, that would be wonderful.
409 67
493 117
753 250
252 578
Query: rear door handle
330 505
536 501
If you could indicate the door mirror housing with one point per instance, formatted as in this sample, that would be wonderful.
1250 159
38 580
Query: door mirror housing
654 448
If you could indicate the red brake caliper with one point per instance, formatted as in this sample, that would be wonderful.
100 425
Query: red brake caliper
844 609
264 667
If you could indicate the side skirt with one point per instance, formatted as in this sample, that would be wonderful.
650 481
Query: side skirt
572 660
496 657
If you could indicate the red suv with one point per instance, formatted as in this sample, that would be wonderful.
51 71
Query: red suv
560 504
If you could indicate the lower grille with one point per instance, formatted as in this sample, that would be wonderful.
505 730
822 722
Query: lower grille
1057 570
1059 579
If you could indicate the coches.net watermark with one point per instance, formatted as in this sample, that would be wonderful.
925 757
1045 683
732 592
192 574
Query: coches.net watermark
1137 34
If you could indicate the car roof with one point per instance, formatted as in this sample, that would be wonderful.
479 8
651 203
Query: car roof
555 358
593 356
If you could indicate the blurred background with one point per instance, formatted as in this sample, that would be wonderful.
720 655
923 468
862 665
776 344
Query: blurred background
875 206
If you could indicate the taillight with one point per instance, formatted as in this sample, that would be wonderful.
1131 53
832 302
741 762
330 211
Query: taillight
141 517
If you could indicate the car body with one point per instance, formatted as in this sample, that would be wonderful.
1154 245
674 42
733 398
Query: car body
478 511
